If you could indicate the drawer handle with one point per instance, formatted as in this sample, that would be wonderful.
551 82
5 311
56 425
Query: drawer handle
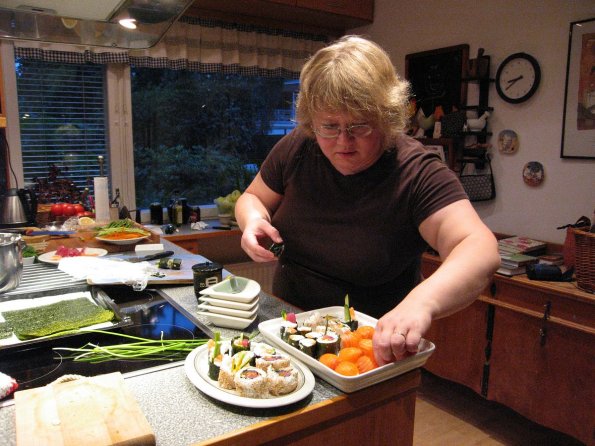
543 330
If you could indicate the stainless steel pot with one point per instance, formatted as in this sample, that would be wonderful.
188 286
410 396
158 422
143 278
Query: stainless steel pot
11 261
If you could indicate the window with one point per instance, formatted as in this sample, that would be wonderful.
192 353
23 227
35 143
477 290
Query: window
63 125
203 135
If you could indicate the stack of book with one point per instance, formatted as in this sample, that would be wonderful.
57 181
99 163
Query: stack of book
518 252
552 259
513 264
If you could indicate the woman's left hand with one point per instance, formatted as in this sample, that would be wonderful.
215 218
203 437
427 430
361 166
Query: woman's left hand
399 332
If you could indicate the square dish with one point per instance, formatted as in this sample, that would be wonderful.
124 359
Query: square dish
218 302
229 311
270 331
249 289
221 320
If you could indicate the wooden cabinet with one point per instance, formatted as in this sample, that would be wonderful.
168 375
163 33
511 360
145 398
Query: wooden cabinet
330 17
529 345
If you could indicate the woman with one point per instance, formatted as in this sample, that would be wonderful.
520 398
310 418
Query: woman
356 202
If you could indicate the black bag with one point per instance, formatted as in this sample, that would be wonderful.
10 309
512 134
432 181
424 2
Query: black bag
479 186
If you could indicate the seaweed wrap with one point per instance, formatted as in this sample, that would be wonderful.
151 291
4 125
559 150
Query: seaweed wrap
251 382
240 343
328 343
308 346
262 349
287 328
304 330
282 381
215 357
294 340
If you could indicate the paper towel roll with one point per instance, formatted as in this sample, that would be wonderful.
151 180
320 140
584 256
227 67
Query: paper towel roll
101 200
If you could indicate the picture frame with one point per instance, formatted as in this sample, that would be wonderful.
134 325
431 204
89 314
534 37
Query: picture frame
436 77
578 123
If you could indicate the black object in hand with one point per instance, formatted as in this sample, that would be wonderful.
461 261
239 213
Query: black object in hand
277 249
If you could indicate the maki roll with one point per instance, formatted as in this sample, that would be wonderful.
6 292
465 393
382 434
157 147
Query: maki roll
308 346
294 340
251 382
282 381
328 343
313 335
240 343
215 356
230 365
304 330
276 361
287 328
261 349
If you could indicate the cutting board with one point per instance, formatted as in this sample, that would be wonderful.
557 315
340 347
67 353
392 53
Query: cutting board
89 411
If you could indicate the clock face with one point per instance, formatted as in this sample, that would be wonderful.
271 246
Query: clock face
517 78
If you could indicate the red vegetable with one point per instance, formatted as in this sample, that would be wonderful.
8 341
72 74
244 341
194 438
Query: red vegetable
291 318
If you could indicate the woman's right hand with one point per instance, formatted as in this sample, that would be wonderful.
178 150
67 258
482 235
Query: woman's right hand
256 230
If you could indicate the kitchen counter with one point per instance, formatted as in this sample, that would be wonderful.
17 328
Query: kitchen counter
180 414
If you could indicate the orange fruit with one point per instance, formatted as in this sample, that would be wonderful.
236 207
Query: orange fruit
350 354
347 368
365 331
330 360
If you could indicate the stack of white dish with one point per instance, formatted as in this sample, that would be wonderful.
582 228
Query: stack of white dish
232 303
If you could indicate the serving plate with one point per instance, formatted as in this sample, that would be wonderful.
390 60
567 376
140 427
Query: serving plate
218 302
270 331
229 311
196 367
126 241
249 289
49 257
222 320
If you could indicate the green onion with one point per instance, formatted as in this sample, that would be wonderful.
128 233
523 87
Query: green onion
346 309
141 350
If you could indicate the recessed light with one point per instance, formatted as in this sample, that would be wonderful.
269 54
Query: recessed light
128 23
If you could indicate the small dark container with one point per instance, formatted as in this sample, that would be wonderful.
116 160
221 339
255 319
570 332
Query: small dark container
205 275
156 213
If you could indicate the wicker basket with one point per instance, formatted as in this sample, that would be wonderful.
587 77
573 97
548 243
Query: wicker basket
585 259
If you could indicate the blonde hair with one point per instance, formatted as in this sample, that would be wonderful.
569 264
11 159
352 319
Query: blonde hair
354 75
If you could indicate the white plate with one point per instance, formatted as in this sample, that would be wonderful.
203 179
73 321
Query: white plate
222 320
249 290
270 331
197 370
48 257
229 311
127 241
218 302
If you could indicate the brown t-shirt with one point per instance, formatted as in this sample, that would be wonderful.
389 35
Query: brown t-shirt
353 234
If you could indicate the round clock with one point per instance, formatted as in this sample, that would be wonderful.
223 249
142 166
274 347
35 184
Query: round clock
518 77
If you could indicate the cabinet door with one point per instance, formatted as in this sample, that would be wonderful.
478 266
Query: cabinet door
461 342
362 9
546 376
188 245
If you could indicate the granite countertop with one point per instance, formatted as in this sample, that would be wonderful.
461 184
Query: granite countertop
174 407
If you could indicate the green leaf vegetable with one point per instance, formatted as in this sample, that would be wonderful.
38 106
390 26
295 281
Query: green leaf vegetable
227 204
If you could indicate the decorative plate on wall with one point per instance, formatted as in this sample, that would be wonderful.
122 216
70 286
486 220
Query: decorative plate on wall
508 141
533 173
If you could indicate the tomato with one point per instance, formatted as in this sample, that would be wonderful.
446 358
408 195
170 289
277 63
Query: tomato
89 214
80 214
57 209
78 208
69 210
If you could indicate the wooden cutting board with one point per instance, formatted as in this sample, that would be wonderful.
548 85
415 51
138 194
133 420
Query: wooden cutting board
89 411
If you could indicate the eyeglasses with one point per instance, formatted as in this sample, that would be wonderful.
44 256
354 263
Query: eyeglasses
333 131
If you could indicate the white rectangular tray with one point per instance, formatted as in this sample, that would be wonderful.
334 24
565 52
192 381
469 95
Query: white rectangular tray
270 331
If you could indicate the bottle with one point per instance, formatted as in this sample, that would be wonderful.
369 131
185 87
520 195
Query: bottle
185 210
178 213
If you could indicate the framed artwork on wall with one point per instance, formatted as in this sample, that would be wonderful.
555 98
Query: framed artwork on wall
578 124
436 78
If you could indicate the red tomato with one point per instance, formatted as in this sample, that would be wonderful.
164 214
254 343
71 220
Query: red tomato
69 210
78 208
89 214
80 214
57 209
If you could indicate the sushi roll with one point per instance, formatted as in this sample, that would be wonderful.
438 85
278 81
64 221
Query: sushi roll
304 330
276 361
287 328
251 382
240 343
294 340
308 346
225 377
313 335
215 356
328 343
282 381
261 349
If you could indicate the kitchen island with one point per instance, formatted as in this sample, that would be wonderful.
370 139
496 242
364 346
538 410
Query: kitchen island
180 414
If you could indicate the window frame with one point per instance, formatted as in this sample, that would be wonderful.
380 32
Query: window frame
118 127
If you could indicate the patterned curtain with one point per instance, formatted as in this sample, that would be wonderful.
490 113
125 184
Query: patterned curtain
198 45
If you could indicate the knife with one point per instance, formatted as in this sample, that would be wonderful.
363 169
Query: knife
156 256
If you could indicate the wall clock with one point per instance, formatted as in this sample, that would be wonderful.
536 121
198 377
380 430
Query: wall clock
518 77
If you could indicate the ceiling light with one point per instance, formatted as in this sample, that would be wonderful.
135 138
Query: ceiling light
128 23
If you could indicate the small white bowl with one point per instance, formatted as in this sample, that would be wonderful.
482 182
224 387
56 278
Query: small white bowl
249 289
229 311
218 302
222 320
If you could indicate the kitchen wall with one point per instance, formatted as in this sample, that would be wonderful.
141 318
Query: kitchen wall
503 27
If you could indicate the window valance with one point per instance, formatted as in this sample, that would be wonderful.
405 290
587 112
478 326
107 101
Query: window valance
197 45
